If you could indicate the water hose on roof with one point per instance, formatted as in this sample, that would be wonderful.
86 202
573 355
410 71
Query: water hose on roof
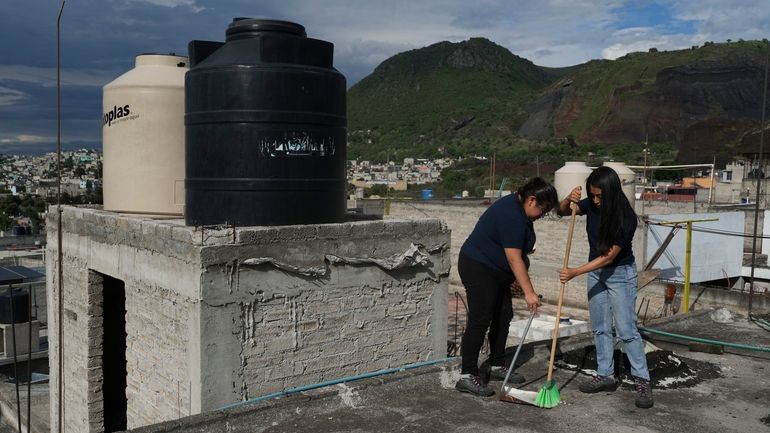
335 382
705 340
762 323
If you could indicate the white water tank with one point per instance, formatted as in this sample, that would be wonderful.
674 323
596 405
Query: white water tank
627 179
572 174
143 137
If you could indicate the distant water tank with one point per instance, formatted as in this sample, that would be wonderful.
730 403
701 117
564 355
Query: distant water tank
627 179
14 306
572 174
427 194
266 128
143 137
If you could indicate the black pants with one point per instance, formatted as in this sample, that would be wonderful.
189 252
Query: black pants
489 308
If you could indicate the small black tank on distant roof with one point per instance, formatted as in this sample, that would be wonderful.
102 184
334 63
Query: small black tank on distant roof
265 128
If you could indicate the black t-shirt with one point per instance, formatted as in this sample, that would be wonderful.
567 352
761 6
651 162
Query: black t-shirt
623 238
503 225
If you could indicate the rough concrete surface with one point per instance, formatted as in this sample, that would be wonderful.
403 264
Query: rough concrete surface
423 400
39 416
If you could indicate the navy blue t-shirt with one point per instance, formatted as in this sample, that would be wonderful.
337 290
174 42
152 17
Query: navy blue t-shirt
623 238
503 225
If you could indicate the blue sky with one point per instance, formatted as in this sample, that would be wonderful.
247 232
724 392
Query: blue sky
100 39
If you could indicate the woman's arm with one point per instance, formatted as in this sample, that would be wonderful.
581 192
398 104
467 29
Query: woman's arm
597 263
520 272
572 197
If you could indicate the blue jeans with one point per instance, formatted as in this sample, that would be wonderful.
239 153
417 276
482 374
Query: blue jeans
612 295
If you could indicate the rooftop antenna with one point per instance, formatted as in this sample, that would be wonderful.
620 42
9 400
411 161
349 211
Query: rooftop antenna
761 149
60 273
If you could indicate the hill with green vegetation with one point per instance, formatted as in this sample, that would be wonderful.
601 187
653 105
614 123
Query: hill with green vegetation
445 99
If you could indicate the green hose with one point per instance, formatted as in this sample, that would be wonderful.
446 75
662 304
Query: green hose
705 340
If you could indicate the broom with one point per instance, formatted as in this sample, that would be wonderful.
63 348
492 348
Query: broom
510 393
548 395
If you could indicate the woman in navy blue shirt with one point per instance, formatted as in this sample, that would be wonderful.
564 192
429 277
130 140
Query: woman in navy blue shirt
611 268
493 256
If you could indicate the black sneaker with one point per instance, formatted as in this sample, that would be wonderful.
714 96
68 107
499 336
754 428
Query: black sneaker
643 393
498 373
472 384
599 383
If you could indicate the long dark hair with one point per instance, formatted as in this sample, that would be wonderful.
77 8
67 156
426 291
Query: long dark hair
544 193
615 210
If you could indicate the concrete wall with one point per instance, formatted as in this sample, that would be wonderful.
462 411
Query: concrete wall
551 231
21 241
162 307
548 257
216 316
305 304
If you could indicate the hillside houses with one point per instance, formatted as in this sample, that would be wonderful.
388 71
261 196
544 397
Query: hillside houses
33 174
364 174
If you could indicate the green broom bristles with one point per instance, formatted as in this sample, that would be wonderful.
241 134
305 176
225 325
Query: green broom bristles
548 395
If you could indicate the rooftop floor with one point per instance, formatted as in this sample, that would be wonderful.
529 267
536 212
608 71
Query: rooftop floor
727 392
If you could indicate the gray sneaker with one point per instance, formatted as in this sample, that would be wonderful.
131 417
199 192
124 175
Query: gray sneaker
643 393
472 384
498 373
599 383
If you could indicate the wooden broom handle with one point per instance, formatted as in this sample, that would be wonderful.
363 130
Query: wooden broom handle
561 293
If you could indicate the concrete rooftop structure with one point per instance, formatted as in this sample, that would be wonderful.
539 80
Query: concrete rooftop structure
163 320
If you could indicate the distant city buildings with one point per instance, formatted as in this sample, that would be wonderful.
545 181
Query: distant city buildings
413 171
82 176
37 175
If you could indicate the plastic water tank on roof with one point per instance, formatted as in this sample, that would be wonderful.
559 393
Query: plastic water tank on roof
572 174
266 128
627 179
143 137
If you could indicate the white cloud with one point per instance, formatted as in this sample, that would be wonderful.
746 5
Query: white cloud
10 96
23 138
719 20
47 76
174 3
642 39
572 32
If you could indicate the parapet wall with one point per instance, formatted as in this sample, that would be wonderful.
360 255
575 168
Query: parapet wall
551 231
220 315
305 304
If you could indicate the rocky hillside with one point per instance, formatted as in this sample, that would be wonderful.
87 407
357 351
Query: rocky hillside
706 100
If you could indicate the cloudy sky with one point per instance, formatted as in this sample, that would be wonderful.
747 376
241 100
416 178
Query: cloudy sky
100 39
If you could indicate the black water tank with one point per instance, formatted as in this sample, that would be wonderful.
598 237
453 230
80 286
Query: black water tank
19 307
265 128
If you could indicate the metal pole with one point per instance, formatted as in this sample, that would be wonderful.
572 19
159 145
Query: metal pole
15 359
756 205
644 173
711 184
687 256
60 260
29 360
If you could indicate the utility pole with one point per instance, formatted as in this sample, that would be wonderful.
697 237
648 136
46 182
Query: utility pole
644 186
761 149
492 173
